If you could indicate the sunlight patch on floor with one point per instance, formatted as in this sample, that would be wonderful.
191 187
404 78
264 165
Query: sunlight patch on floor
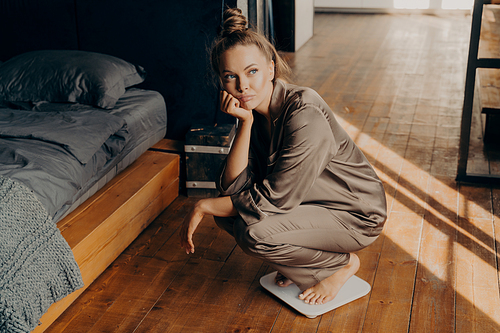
473 274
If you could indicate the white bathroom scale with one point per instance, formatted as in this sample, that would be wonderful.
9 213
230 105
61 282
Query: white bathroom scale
353 289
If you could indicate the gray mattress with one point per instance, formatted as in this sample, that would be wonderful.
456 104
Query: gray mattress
59 180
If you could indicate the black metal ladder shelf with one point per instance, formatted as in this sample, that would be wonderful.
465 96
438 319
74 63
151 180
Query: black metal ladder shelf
473 64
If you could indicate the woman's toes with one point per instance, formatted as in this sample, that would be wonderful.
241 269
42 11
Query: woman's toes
311 298
316 300
282 280
304 295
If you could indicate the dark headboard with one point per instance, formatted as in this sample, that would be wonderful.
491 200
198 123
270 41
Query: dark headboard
169 38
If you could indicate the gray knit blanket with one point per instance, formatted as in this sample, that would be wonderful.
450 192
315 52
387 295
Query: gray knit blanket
37 266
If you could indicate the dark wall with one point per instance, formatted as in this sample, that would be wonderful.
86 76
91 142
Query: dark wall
27 25
170 39
284 24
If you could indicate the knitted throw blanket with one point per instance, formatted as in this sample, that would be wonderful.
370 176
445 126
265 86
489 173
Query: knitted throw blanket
37 267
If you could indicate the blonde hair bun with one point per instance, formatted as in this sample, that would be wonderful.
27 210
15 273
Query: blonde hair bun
234 21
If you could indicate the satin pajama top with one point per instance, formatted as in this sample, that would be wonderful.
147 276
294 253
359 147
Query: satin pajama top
308 160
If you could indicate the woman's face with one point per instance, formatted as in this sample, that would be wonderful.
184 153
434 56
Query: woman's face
248 76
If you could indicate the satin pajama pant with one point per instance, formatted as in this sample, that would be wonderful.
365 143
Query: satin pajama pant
306 245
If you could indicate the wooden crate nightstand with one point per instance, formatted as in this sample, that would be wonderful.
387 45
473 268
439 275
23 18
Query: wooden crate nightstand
206 148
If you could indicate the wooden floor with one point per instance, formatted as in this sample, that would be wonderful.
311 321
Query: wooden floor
396 84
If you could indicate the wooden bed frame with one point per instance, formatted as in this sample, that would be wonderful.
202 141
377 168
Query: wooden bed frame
104 225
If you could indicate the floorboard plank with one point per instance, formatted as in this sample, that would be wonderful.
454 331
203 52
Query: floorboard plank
290 320
478 307
141 288
433 307
177 305
259 309
160 230
392 291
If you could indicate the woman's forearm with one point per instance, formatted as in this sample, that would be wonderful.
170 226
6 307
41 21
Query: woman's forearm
221 206
237 159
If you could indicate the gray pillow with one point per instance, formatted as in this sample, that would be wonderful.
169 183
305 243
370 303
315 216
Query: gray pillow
67 76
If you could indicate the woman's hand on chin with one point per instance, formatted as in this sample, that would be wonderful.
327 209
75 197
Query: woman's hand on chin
231 105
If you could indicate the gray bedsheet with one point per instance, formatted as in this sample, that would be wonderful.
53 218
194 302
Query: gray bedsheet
80 133
46 162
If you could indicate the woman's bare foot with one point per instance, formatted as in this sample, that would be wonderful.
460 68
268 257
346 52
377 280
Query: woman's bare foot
326 290
282 280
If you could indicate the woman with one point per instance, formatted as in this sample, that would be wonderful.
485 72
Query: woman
296 191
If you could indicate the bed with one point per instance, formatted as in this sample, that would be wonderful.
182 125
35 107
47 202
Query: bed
70 121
